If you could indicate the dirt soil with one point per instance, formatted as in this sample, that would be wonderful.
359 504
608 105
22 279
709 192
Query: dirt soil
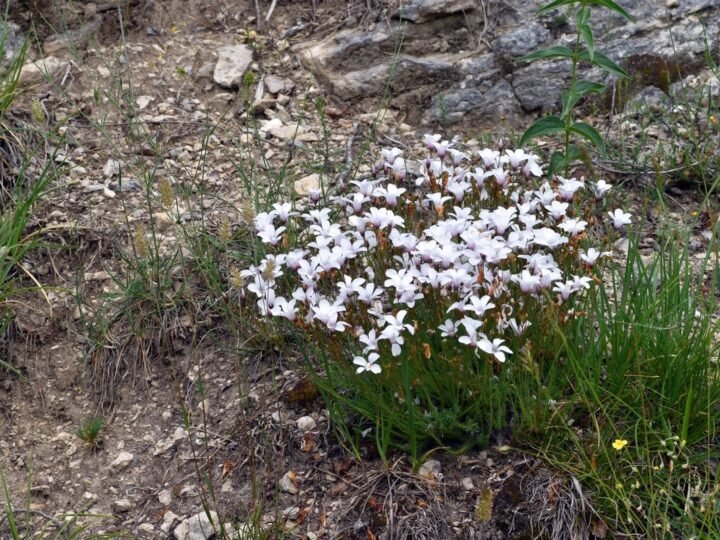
205 415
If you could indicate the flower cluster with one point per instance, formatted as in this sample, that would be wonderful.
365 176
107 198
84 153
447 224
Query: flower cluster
478 241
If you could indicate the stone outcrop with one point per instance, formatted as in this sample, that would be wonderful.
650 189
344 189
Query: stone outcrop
456 60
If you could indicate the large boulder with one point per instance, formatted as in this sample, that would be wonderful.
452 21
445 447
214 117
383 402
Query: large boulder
459 61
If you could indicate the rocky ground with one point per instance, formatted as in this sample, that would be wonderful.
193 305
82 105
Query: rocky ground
159 92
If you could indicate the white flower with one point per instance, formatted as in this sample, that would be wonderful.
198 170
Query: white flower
401 280
369 364
457 156
532 167
548 238
390 194
471 327
448 328
317 215
565 289
294 257
501 218
437 201
620 218
283 308
396 321
355 203
365 187
314 195
271 235
283 211
557 209
494 348
568 187
600 188
529 283
518 328
399 169
266 303
515 157
383 218
591 256
480 305
431 140
262 220
348 287
406 241
393 335
458 189
581 282
500 175
456 278
573 226
391 155
442 148
490 157
369 293
328 313
370 340
548 276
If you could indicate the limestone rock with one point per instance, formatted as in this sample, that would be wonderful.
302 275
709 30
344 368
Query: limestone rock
197 527
306 423
43 69
419 11
13 40
431 470
122 460
121 506
522 40
275 85
233 61
288 483
305 185
444 74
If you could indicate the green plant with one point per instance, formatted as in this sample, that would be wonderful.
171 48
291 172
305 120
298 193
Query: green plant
412 329
89 431
639 417
20 147
583 51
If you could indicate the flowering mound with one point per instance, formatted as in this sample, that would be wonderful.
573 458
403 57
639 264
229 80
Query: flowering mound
457 262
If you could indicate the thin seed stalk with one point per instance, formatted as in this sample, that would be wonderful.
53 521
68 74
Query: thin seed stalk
573 80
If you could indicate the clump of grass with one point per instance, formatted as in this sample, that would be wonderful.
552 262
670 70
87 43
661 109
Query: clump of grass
21 145
639 418
89 431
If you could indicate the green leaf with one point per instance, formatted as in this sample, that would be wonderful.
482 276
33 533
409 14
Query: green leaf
567 103
612 6
586 33
554 5
581 88
551 52
542 126
604 62
583 15
590 133
557 162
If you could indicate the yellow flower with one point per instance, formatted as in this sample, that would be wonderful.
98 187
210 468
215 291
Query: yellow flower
619 444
